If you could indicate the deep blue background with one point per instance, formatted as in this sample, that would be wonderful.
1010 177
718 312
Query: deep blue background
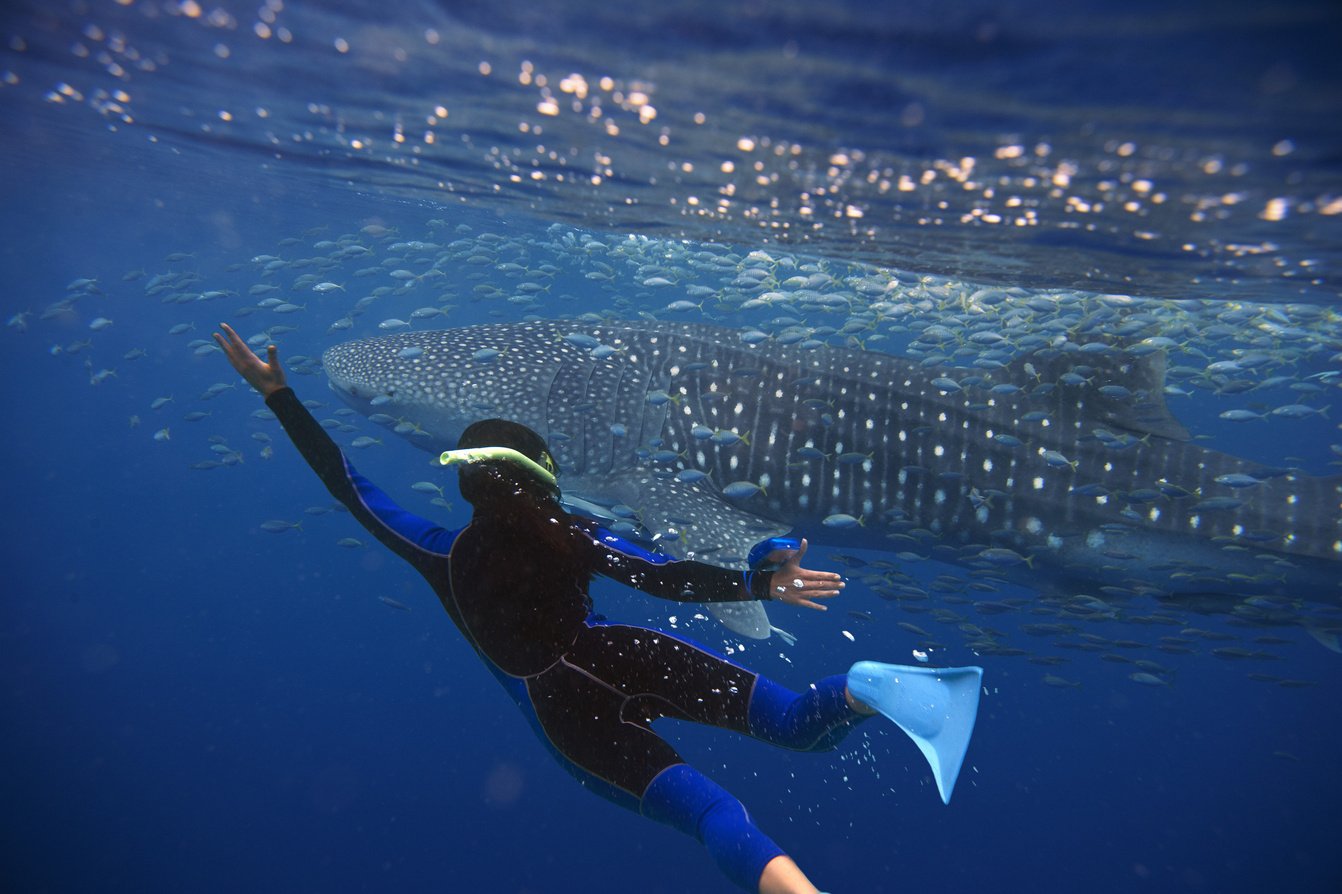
192 704
195 704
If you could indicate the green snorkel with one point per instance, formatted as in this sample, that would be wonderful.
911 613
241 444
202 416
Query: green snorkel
507 454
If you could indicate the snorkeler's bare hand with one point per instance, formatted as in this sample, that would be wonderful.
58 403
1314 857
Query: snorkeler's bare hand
796 585
266 376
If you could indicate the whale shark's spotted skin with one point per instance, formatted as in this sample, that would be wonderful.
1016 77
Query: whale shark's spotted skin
1071 461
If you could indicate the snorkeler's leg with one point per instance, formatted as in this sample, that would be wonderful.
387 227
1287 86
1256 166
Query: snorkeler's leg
783 876
665 675
816 719
686 799
602 734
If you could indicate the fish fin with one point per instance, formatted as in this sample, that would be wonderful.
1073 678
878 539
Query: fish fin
1150 414
1145 413
597 511
748 619
709 528
1326 638
706 527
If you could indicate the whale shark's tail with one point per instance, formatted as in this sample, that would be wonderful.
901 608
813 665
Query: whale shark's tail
936 707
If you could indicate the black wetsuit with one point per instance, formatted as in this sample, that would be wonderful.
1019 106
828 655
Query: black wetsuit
592 689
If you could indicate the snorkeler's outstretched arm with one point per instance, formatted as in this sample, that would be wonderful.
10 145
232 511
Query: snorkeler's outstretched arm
795 585
266 377
687 581
415 539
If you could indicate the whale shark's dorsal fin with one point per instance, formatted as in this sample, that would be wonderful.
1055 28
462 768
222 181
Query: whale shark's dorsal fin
1141 412
1149 414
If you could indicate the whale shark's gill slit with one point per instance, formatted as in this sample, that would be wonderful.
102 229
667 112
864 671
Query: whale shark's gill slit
755 433
624 408
650 422
546 410
587 420
605 444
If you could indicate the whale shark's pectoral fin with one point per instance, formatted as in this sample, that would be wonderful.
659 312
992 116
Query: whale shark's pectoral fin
696 523
749 619
693 521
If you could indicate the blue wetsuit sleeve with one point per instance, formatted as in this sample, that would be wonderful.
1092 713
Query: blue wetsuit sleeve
667 578
413 538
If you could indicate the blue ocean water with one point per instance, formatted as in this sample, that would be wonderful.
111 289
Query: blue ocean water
194 703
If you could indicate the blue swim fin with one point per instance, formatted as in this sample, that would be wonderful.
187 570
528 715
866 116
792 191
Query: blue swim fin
935 706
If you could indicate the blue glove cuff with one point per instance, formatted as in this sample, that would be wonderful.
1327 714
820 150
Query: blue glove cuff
762 549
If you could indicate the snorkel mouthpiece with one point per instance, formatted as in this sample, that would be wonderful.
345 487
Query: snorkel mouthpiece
506 454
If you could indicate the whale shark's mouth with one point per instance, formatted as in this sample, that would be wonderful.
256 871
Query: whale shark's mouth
363 397
360 375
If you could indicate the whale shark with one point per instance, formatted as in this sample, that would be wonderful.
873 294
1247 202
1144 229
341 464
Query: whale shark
1063 469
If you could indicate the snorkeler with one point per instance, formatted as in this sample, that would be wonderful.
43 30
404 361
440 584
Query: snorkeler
515 581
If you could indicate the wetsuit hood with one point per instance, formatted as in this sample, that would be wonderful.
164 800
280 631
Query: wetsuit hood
482 481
